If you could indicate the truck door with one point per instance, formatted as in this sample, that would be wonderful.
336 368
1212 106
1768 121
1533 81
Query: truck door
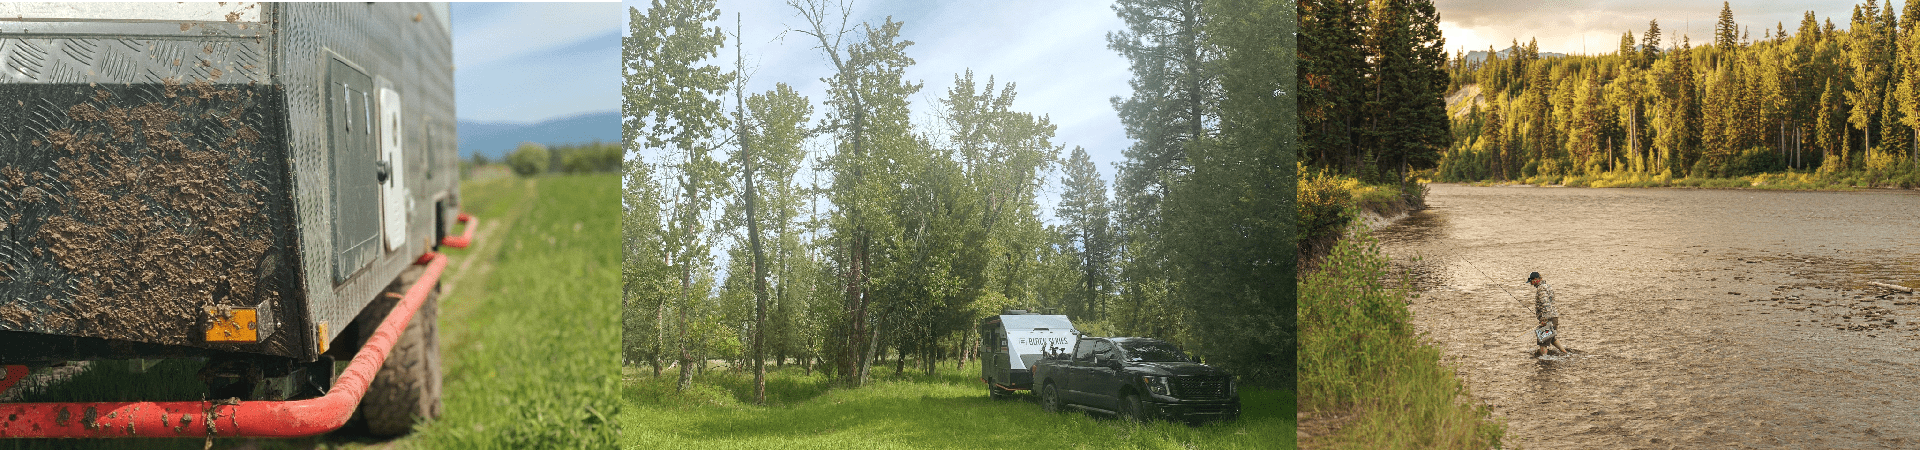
1103 382
1073 376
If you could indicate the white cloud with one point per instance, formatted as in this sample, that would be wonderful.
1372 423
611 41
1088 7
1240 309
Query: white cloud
1567 27
1055 52
507 31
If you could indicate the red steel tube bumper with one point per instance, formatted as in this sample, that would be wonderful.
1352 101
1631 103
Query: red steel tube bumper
217 418
465 237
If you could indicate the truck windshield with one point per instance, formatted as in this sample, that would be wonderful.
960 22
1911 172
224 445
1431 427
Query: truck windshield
1153 352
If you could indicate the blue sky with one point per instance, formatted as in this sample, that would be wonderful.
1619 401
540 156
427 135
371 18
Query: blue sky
530 62
1055 52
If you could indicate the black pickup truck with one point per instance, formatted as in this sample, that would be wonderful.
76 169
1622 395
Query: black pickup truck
1137 378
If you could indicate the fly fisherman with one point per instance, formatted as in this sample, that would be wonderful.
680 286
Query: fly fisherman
1549 317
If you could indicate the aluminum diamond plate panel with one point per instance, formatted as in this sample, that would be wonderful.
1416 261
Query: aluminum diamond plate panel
148 168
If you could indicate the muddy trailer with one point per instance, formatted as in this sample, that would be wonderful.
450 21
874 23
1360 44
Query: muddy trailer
258 186
1011 342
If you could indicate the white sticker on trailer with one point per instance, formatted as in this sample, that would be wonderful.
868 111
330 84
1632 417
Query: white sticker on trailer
142 11
393 193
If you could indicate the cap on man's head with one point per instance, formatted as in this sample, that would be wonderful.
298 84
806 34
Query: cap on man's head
1533 276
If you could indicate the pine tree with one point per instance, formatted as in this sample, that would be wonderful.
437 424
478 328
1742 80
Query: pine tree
1829 132
1726 32
1627 52
1084 209
1650 42
1866 54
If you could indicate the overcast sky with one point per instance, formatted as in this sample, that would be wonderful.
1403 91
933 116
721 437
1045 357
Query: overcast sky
1569 26
530 62
1055 52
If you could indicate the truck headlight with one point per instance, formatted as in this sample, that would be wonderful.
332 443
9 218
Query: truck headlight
1158 386
1233 388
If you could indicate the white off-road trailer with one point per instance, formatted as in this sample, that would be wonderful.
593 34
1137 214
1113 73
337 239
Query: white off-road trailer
1011 342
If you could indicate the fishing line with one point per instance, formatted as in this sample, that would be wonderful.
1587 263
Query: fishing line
1496 285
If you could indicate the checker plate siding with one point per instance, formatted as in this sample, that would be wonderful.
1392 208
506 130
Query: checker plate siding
385 41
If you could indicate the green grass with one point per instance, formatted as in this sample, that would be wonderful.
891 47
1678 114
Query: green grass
528 329
1360 356
949 409
530 335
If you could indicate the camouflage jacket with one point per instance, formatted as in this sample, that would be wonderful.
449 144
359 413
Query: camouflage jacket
1543 302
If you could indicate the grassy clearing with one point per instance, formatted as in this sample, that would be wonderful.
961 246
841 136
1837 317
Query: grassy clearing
1360 357
528 329
949 409
530 335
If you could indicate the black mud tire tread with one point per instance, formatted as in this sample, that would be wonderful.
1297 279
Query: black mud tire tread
407 390
1050 398
1130 408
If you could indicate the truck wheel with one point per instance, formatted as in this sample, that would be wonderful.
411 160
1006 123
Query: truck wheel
407 390
1050 398
1130 408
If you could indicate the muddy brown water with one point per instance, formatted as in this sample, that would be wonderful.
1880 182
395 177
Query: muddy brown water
1697 318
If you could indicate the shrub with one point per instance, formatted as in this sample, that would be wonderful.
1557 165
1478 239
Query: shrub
594 157
529 160
1323 200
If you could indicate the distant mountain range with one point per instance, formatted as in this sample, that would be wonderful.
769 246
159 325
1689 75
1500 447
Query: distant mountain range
496 139
1481 55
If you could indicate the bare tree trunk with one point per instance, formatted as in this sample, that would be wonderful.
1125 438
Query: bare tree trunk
900 364
686 359
753 228
659 335
866 363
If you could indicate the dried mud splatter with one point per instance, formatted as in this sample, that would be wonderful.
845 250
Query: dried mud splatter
156 220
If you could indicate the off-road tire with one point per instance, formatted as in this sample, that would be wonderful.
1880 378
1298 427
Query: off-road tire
1050 398
407 390
1130 408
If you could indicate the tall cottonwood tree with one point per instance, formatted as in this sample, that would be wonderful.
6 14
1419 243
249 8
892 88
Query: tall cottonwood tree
670 103
868 118
781 117
646 277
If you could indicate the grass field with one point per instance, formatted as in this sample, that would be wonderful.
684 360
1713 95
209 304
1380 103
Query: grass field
947 410
529 332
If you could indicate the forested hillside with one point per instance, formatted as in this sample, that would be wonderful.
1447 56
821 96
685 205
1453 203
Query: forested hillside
1808 97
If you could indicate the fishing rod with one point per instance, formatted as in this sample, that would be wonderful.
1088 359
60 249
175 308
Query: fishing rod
1496 285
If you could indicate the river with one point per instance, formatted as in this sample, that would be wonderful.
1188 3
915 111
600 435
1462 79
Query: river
1697 318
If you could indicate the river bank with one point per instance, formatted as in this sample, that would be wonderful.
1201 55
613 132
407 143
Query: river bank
1368 379
1787 181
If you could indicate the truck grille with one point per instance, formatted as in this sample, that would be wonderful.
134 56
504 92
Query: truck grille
1200 388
